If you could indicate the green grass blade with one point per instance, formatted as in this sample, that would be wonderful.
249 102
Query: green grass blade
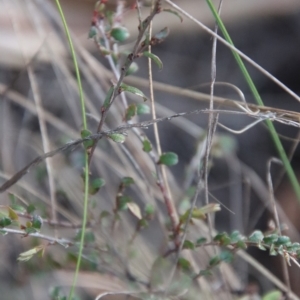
289 170
86 181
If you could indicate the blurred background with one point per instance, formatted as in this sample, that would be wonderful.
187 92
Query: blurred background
31 37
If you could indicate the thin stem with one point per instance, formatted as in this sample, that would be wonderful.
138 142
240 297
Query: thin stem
121 129
163 181
86 175
52 240
124 69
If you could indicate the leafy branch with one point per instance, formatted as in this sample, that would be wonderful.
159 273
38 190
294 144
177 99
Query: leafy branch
139 47
114 134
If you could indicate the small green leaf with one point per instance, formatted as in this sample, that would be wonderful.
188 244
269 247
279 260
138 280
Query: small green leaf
108 97
236 237
270 239
142 109
133 68
4 222
127 181
201 241
168 159
241 245
37 222
95 185
272 251
280 249
273 295
174 13
261 247
223 239
131 89
161 36
92 32
122 202
205 273
117 137
30 208
104 51
282 240
294 247
197 213
130 112
104 214
214 261
14 205
12 214
155 58
188 245
143 223
120 34
226 256
184 264
149 210
256 237
147 147
84 134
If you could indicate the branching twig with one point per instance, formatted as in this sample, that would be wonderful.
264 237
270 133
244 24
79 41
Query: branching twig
64 242
122 129
124 69
162 180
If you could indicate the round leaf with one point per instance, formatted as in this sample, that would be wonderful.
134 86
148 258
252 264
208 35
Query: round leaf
5 222
117 137
122 202
142 109
130 112
168 159
120 34
132 69
95 185
149 210
127 181
37 222
92 32
147 147
256 237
